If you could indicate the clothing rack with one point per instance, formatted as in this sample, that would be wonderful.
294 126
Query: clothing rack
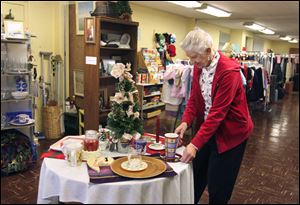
263 61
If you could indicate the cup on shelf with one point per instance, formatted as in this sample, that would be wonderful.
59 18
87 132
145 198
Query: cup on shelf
3 120
23 118
4 95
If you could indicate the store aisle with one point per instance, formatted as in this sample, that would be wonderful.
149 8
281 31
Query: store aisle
269 172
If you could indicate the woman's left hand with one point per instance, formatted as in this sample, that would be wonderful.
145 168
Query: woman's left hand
189 153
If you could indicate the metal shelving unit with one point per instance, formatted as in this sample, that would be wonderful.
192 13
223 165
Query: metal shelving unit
14 55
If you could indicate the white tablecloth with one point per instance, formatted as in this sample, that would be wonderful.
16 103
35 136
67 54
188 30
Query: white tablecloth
60 182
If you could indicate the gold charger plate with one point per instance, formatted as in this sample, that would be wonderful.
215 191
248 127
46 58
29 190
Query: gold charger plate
155 167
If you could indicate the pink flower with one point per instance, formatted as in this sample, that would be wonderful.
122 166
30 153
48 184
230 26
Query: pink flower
118 70
136 115
127 136
119 98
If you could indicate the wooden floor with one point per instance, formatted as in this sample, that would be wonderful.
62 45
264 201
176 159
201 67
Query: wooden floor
269 172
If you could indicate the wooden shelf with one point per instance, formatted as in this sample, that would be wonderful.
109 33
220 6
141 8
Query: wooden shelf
118 21
152 95
116 49
148 84
105 111
106 77
154 106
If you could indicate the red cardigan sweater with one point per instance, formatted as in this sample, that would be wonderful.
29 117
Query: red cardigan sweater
228 119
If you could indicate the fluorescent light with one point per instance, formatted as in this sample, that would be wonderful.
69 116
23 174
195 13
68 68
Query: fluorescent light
254 26
293 41
267 31
285 38
187 4
213 11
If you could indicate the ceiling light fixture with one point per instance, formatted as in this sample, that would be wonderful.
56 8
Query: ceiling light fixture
293 41
258 27
285 38
213 11
187 4
254 26
267 31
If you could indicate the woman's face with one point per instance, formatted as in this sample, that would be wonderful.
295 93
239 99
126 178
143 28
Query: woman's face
201 60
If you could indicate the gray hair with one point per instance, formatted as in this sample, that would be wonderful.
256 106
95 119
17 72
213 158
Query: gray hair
197 41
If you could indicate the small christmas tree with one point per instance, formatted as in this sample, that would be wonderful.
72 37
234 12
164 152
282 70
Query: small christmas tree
124 119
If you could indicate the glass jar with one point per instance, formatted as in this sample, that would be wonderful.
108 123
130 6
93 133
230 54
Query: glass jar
91 142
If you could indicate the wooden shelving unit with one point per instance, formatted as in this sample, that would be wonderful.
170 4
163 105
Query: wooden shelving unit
148 107
94 81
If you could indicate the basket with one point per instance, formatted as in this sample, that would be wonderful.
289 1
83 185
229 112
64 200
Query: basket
51 122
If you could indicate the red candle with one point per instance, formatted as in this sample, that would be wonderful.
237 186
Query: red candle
157 129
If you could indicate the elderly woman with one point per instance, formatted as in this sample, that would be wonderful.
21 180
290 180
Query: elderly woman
218 104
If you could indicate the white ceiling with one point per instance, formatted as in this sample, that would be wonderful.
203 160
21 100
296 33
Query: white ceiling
280 16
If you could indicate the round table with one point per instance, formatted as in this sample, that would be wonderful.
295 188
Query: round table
60 182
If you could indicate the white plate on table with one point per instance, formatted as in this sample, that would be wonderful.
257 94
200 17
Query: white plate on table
134 168
157 146
57 146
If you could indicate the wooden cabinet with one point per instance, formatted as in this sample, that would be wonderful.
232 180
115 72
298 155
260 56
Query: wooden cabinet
99 86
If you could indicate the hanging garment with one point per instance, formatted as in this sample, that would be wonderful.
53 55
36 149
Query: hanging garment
169 88
285 61
185 81
289 71
243 78
257 91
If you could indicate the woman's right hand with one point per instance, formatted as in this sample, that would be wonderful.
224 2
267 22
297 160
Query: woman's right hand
180 130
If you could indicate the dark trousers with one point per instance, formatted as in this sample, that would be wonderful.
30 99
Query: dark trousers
218 171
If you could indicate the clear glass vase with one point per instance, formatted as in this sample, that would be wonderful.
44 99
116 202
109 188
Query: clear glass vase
123 147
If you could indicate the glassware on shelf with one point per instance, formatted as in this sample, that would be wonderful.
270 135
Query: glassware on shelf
16 65
3 120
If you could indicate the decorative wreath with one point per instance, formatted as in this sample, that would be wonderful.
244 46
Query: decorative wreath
16 152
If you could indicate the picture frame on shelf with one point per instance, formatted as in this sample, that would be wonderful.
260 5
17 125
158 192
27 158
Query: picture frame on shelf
103 99
89 30
14 29
83 9
78 82
107 65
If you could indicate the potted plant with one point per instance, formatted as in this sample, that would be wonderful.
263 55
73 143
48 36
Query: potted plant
124 119
122 10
